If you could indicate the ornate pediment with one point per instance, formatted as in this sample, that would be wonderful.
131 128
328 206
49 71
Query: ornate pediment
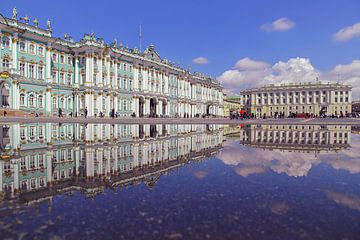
151 54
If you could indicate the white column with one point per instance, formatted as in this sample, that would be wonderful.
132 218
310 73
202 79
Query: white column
147 106
14 53
107 103
161 108
137 109
15 95
48 64
15 163
116 105
100 82
136 78
116 75
48 103
108 83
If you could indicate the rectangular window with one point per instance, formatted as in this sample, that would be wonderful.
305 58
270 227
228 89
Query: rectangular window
22 69
69 79
31 71
41 51
40 72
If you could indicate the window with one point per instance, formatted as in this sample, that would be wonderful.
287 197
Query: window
62 59
69 60
124 66
69 79
69 103
32 100
62 77
22 46
95 60
54 76
41 135
124 104
54 102
32 71
62 105
22 99
41 51
40 101
5 42
6 63
32 48
54 57
40 72
22 69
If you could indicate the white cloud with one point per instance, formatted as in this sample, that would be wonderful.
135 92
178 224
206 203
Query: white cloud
249 64
200 60
279 25
347 33
249 73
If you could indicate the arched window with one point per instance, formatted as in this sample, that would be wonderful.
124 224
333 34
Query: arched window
40 101
62 59
5 42
41 51
32 48
54 103
95 60
22 99
22 46
62 103
54 57
32 100
6 63
69 103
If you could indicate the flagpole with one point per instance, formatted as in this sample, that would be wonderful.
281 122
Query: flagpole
140 38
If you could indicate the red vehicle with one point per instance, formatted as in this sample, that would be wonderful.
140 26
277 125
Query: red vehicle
300 115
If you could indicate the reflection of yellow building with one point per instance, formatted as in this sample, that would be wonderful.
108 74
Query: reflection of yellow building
296 137
311 98
231 104
108 155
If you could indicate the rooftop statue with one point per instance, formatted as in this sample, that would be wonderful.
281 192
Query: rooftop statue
36 22
115 42
48 25
26 19
14 13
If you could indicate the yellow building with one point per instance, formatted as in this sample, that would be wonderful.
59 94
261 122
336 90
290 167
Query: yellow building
310 98
231 104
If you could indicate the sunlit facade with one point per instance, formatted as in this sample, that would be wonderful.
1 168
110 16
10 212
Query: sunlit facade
41 73
310 98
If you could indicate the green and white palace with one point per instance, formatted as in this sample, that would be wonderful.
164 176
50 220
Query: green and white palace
41 73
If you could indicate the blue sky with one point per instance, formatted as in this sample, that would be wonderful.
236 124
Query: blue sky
221 31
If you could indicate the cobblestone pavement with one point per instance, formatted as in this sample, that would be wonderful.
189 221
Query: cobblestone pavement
313 121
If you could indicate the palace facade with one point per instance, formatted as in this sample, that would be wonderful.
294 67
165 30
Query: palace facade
41 73
35 156
310 98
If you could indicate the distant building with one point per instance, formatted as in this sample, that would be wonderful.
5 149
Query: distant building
231 104
311 98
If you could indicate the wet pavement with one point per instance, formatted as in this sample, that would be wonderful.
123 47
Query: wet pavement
101 181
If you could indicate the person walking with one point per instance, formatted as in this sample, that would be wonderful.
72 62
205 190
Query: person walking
85 112
60 113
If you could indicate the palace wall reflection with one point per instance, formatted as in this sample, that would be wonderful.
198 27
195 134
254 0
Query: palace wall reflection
90 157
289 149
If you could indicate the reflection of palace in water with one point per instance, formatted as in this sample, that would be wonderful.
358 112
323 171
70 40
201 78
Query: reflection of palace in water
296 137
48 157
